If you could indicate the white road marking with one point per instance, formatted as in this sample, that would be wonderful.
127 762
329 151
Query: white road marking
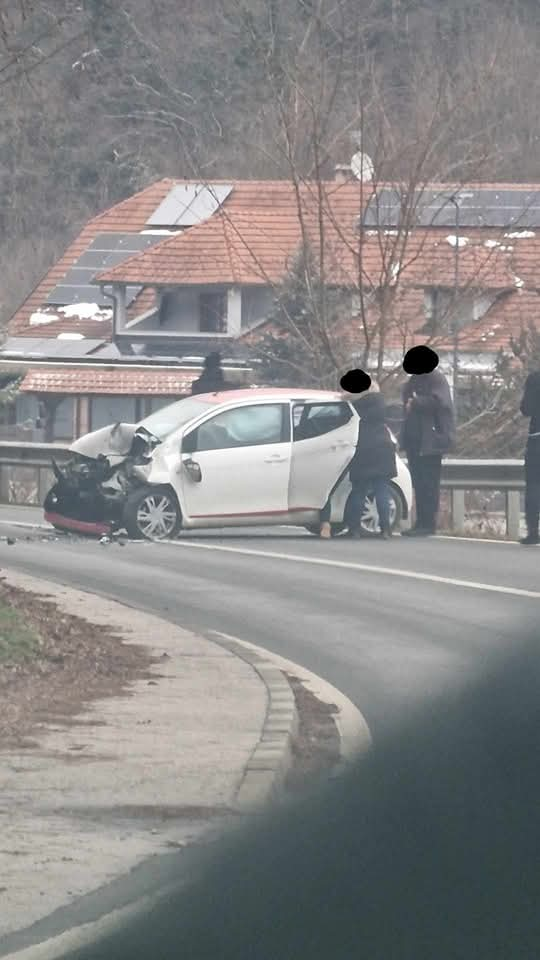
449 536
32 526
364 567
436 536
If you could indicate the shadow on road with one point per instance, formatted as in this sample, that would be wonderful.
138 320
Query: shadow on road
427 849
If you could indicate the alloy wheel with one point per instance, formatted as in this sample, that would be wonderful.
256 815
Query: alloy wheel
157 516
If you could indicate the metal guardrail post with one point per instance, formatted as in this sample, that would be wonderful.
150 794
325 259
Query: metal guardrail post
458 509
513 513
4 484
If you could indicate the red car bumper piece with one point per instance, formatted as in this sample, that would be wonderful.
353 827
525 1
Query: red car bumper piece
80 526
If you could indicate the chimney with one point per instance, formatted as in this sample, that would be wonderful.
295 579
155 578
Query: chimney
342 173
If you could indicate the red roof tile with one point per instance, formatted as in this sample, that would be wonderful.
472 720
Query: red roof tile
107 380
253 239
128 216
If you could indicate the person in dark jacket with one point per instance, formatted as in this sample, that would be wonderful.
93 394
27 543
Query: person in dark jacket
211 379
530 407
373 464
427 434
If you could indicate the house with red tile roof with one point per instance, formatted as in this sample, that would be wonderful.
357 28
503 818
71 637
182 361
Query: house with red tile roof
121 323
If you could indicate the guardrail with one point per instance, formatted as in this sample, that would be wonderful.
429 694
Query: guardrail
26 475
25 470
458 476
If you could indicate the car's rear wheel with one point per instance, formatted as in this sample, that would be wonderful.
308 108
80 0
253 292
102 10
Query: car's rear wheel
369 524
152 513
370 518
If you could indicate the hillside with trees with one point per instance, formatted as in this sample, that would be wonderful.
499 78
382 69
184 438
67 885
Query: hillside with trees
100 97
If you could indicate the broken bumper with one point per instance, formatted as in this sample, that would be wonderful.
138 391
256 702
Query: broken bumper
90 528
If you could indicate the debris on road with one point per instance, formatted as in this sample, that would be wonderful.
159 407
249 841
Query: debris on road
316 748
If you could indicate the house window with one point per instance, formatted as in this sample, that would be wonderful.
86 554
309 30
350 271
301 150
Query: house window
257 304
442 305
63 424
105 410
213 312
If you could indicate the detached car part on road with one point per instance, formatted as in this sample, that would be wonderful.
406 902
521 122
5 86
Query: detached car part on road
238 458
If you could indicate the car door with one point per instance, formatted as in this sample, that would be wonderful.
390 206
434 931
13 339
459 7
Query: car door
244 459
324 440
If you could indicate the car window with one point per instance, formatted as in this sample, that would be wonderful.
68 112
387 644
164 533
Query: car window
175 415
243 427
315 419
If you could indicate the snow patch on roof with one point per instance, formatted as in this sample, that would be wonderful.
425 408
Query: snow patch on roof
40 317
86 311
457 241
71 336
520 234
492 244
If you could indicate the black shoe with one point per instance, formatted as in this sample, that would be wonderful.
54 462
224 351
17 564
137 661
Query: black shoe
386 534
418 532
529 541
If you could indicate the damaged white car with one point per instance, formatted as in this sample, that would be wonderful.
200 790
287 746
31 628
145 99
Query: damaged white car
241 457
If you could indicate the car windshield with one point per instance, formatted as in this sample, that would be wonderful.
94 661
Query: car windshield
170 418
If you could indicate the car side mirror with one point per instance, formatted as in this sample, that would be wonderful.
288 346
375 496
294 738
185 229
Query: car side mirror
193 470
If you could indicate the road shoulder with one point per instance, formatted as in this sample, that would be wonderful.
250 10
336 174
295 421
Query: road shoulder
211 736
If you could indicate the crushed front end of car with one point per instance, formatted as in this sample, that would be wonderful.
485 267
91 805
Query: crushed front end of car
90 490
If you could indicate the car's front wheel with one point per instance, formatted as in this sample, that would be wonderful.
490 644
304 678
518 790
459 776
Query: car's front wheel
152 513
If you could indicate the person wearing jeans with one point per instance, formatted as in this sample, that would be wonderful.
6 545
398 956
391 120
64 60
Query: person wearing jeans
361 488
373 464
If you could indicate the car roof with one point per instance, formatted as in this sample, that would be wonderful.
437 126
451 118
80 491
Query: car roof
270 393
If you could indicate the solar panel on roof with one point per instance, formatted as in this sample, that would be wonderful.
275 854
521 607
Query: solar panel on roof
74 348
477 208
71 293
50 347
107 250
187 204
207 201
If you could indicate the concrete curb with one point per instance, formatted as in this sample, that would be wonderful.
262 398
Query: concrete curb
355 737
272 758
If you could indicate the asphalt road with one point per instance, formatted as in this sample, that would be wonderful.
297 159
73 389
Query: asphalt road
389 624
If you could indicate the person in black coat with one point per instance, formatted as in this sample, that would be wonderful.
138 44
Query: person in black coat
427 434
373 464
530 407
211 379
